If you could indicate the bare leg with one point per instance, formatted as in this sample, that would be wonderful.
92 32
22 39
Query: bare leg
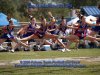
90 38
51 36
73 38
76 43
47 42
2 40
29 37
21 43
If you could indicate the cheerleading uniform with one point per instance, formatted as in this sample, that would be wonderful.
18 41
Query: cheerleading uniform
30 30
81 31
52 27
41 31
7 32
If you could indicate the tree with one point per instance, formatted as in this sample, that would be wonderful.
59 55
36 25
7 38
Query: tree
7 7
79 3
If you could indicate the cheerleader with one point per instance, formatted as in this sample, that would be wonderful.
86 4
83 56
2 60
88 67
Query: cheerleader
8 33
41 33
27 30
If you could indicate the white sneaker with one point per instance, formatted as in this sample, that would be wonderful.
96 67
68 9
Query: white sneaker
68 50
17 39
63 50
2 48
12 50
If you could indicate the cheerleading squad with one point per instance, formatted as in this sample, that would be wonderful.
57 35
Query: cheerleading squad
84 29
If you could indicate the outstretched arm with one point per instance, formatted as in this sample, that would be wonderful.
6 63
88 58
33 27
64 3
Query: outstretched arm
92 21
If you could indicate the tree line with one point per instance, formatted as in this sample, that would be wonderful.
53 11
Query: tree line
18 8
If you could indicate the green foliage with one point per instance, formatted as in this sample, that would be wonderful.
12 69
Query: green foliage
79 3
7 6
18 8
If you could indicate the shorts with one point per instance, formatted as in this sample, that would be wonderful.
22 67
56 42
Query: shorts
53 32
96 28
27 34
7 36
40 35
80 36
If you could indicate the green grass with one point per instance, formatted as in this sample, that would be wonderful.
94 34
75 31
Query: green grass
89 70
49 54
92 68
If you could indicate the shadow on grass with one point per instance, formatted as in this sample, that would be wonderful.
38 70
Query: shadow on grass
31 71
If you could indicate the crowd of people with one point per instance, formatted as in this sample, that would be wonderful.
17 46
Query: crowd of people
50 33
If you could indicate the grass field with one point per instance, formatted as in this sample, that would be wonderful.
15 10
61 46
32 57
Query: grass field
49 54
92 68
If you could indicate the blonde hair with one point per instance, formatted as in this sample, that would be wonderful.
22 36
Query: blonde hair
53 20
